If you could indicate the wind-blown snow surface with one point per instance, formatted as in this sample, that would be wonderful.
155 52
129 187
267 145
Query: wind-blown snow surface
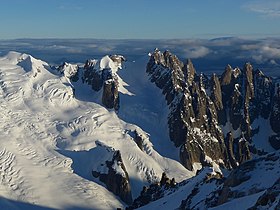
50 140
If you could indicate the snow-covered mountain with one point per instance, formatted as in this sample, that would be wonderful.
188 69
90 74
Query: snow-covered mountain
121 134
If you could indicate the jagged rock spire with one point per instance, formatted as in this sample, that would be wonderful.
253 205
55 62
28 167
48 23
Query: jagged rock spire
189 71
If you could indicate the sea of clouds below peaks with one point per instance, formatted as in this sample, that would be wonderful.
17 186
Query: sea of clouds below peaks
207 55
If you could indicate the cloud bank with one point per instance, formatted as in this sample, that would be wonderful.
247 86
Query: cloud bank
207 55
268 8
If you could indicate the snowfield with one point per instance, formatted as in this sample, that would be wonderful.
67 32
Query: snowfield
52 138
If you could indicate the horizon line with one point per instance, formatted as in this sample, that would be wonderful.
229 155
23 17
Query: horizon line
194 37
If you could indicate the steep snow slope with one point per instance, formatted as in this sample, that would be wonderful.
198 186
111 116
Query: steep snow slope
253 184
146 107
173 200
143 167
51 138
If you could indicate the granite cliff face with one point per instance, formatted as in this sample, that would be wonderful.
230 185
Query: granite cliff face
105 79
114 175
193 120
100 75
211 117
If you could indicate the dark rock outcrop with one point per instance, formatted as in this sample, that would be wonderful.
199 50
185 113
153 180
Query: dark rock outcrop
242 174
138 138
154 192
116 179
216 97
193 119
147 195
243 151
104 79
274 141
188 155
246 95
110 96
166 182
199 106
230 148
264 92
92 76
251 178
275 112
269 199
119 59
70 71
189 72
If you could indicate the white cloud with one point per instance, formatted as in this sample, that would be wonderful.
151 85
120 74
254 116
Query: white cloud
213 55
249 47
273 62
266 53
271 52
197 52
70 7
268 8
259 58
73 50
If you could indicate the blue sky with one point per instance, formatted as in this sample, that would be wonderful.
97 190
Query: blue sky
134 19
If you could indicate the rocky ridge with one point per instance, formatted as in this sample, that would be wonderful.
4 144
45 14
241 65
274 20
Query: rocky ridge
154 192
245 180
100 75
113 174
211 117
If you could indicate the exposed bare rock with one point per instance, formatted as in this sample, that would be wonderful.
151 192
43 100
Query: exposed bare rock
193 119
191 153
119 59
249 86
216 92
257 178
226 76
138 138
236 107
166 72
231 84
246 95
116 178
70 71
92 76
154 192
264 91
178 128
245 173
230 147
243 151
110 96
147 195
270 199
189 71
275 112
104 78
198 106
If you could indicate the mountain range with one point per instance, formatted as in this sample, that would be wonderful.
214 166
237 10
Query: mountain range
148 133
